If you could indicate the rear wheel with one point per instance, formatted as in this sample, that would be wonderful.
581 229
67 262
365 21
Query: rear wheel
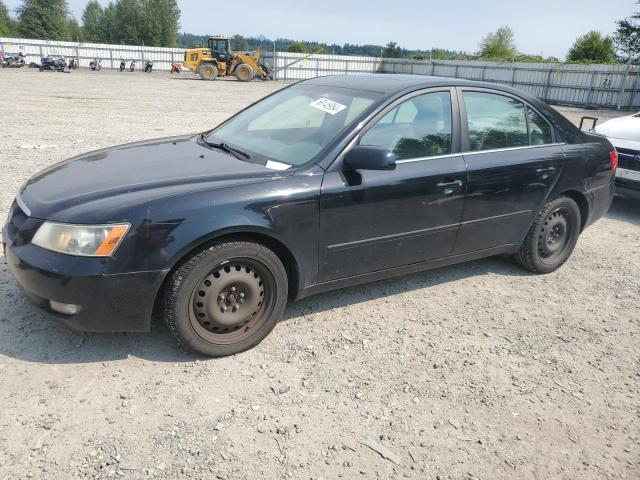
226 298
552 237
208 71
244 72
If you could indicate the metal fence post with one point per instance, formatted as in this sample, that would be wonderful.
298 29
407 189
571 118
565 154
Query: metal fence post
624 81
513 76
633 90
455 74
591 85
484 71
546 87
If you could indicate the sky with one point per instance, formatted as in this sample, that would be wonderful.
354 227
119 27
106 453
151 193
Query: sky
547 27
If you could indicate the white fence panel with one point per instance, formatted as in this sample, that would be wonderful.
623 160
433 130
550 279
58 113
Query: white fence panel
607 86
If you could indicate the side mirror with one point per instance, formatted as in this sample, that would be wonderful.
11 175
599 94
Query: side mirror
362 157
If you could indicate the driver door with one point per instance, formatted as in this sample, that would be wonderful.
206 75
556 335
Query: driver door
377 220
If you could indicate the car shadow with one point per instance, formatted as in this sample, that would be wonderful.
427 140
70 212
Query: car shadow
407 283
625 210
27 334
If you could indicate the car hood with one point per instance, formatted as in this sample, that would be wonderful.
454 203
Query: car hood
141 170
623 128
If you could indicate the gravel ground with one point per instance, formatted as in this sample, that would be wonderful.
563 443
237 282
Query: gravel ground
477 371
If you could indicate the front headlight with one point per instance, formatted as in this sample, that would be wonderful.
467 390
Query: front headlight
84 240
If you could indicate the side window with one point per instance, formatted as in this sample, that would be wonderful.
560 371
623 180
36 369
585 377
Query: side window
419 127
495 121
540 130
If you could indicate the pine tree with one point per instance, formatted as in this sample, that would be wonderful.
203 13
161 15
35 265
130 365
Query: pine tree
93 23
6 24
75 30
161 22
129 22
43 19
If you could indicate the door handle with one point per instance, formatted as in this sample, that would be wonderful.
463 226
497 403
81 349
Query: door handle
449 186
545 173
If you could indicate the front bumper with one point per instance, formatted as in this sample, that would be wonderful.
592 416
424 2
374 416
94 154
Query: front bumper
109 302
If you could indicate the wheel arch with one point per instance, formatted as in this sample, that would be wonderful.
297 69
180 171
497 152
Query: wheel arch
256 235
583 205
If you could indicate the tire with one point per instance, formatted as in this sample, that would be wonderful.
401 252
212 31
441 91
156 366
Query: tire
226 298
266 72
208 71
552 237
245 73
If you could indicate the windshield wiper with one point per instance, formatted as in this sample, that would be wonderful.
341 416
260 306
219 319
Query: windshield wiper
239 154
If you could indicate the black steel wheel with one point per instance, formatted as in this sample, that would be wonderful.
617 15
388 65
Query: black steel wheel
552 236
226 298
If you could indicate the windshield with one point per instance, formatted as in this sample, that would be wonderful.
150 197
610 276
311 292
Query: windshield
293 125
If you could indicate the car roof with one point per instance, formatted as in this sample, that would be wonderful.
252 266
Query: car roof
391 83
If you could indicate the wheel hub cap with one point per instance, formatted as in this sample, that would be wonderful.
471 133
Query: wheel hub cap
553 236
228 298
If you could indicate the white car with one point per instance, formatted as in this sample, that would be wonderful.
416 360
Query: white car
624 134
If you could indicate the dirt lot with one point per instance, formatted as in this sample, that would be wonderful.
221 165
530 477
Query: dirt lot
478 371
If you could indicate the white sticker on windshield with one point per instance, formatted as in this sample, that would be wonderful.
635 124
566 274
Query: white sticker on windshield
276 165
328 106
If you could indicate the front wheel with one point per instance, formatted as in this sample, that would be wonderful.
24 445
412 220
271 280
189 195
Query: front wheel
552 236
208 71
244 72
226 298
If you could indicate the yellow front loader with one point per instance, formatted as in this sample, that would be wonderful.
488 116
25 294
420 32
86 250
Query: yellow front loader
219 61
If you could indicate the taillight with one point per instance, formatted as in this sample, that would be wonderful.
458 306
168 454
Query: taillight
613 156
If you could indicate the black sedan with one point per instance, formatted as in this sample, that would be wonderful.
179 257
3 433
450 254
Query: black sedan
328 183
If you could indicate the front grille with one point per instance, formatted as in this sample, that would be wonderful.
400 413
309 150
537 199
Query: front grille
629 159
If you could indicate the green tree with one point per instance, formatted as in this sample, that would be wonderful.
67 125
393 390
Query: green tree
93 23
627 36
392 50
499 45
129 22
297 47
161 22
75 30
110 24
43 19
239 43
592 47
7 26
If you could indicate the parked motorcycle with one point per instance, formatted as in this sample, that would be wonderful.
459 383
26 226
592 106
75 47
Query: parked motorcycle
122 65
74 64
132 66
57 64
16 60
96 64
148 66
176 68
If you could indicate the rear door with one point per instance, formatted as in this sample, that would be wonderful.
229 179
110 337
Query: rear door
376 220
513 162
